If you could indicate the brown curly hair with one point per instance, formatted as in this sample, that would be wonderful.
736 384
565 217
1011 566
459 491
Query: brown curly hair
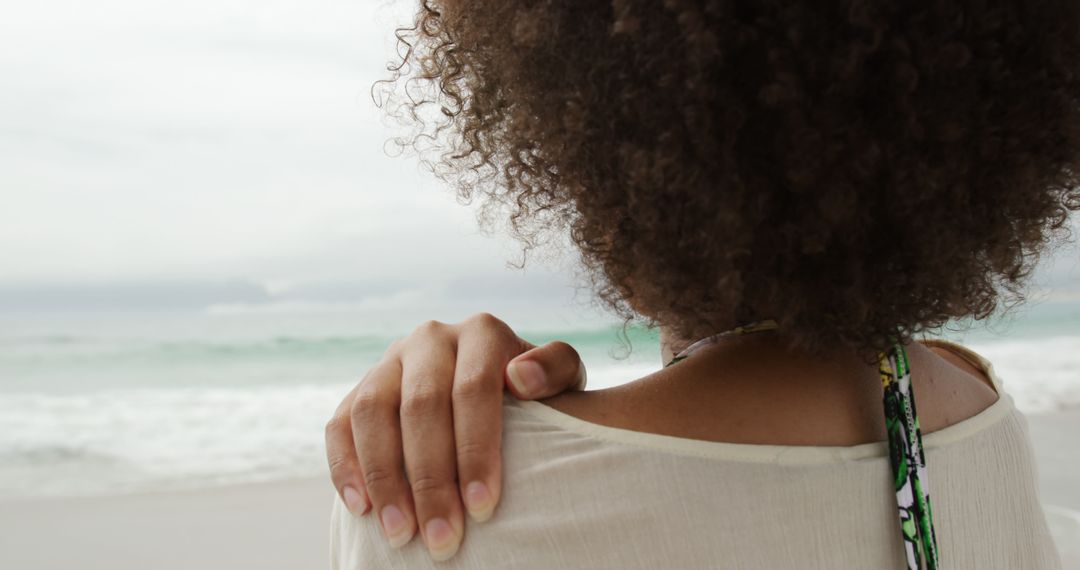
859 170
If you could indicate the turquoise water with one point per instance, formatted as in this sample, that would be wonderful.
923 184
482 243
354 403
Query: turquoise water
120 402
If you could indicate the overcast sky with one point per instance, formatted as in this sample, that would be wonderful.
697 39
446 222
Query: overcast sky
209 141
224 141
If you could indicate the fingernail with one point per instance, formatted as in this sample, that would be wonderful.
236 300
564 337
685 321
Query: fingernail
526 376
479 501
442 541
395 527
354 501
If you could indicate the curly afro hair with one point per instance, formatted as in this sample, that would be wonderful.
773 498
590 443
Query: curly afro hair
861 171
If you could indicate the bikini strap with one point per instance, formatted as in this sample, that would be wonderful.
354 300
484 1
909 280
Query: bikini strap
907 459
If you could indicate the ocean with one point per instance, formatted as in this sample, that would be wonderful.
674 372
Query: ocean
113 403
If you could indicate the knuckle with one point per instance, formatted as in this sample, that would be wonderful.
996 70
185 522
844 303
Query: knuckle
484 319
393 348
380 480
368 401
336 425
476 451
390 359
473 387
427 485
429 328
424 401
339 466
490 324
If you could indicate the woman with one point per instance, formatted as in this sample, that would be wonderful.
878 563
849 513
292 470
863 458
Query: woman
791 193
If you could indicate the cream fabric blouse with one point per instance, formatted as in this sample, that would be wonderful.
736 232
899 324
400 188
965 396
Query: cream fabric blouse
582 495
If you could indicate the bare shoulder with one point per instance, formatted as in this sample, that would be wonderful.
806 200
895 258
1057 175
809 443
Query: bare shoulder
776 401
620 406
948 352
949 387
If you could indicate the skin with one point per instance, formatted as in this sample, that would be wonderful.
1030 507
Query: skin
433 404
836 400
432 408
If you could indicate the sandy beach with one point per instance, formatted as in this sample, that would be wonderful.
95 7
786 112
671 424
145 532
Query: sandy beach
270 526
283 525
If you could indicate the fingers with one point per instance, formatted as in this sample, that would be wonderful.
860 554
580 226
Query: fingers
545 371
427 430
341 455
423 430
376 430
477 408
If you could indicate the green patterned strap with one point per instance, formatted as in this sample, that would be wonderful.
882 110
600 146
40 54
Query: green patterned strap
907 460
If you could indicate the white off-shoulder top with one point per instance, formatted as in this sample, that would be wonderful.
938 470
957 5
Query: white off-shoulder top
583 495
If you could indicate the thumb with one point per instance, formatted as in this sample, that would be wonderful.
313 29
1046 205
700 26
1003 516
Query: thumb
545 371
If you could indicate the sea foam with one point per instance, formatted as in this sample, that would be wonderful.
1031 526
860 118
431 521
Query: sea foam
86 416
